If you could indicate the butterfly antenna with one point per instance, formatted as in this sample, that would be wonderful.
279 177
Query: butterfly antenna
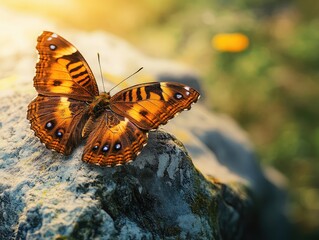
99 60
126 78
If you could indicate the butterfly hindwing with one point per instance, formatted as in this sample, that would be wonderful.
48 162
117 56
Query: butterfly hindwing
152 104
114 140
57 121
62 70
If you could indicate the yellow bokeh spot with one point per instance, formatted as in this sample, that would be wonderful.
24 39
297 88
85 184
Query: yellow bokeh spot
230 42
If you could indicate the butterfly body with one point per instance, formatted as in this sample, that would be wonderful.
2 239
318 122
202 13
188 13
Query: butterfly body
69 107
100 104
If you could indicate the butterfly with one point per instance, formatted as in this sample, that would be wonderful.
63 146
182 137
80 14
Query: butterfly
69 107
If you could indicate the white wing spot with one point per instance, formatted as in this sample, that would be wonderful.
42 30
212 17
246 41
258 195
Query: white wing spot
187 88
118 146
52 47
54 35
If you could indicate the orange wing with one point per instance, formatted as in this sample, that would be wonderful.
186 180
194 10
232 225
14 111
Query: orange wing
152 104
62 70
58 121
114 140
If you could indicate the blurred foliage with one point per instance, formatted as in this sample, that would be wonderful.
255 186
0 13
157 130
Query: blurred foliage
271 88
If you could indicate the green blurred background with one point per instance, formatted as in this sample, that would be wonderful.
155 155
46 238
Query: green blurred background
271 87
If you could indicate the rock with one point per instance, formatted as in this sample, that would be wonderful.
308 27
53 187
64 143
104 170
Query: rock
213 190
161 195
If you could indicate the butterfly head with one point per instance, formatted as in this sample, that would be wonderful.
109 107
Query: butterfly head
105 96
103 99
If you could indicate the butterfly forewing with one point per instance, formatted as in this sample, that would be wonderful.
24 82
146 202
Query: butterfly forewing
152 104
62 71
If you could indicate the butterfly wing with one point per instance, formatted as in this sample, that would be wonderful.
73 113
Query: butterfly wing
152 104
58 121
114 140
62 70
65 85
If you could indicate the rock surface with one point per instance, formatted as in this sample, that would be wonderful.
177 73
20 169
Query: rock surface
214 190
161 195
